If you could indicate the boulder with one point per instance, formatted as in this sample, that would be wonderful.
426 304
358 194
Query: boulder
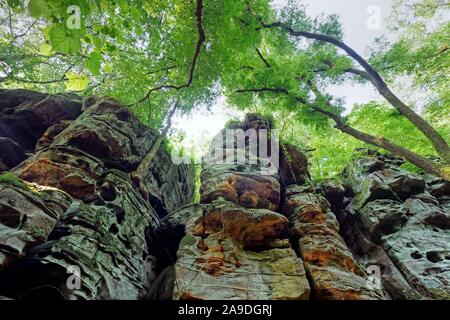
25 115
332 269
28 213
230 252
11 154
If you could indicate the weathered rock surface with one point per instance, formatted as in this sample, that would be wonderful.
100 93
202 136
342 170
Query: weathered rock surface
71 214
74 208
249 190
230 252
293 166
25 114
234 245
105 242
28 213
334 272
400 222
11 153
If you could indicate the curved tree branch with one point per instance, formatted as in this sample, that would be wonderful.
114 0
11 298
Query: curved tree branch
380 142
144 166
267 64
438 142
198 46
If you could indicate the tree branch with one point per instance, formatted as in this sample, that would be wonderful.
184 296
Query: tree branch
380 142
264 89
25 32
144 166
161 69
262 58
198 46
36 81
438 142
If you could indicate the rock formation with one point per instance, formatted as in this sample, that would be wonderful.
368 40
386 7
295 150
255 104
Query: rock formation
72 205
240 243
74 225
400 222
235 244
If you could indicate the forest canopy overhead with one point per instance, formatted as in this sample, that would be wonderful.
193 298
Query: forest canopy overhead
158 56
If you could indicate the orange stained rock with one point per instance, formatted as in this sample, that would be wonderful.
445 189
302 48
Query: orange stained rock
226 190
49 173
214 264
249 199
321 258
251 191
250 229
336 294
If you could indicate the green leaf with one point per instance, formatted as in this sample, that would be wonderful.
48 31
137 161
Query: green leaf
64 40
37 8
46 49
76 82
46 32
104 5
88 38
93 63
124 7
97 42
107 68
13 3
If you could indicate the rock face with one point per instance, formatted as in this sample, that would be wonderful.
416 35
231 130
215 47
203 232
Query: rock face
399 221
28 213
334 272
241 244
70 212
230 252
74 225
235 245
25 115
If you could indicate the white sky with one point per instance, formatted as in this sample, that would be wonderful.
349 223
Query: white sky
201 125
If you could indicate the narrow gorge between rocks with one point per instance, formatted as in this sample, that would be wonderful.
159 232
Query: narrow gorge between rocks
67 200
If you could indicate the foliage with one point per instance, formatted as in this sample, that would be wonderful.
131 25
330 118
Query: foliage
12 179
150 55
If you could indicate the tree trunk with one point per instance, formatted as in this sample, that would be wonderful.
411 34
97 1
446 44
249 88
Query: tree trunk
381 142
438 142
144 166
419 161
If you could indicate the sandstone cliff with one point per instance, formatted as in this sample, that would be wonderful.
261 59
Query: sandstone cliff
72 201
67 201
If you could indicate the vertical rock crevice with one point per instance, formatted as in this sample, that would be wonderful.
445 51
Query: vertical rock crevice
332 270
235 245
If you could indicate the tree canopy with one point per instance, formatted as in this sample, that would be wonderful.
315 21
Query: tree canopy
152 55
